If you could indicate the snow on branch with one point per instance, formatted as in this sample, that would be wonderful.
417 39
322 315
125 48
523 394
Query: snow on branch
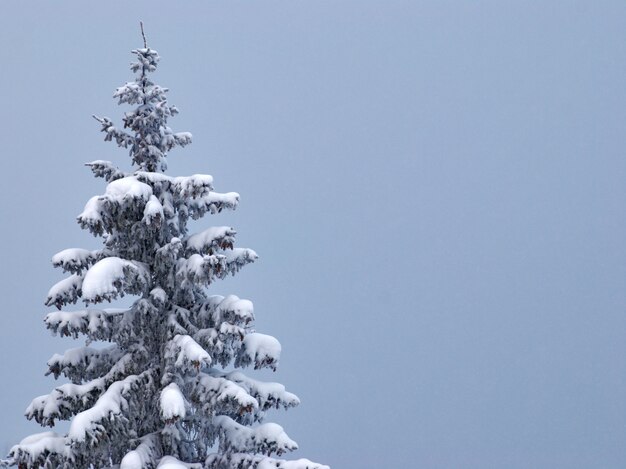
222 342
63 402
123 201
170 462
146 454
225 323
45 449
68 399
84 363
267 439
67 291
147 60
172 404
209 240
194 186
202 270
111 277
217 309
153 212
254 461
74 260
259 349
267 394
93 424
236 258
122 138
215 394
128 189
95 324
105 169
213 202
186 354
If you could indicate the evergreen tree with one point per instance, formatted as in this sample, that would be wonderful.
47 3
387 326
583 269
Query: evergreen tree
159 395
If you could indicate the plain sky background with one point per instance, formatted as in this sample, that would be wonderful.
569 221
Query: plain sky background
437 191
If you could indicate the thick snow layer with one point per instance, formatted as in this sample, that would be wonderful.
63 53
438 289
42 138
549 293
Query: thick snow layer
70 283
268 463
170 462
39 443
73 259
92 321
101 279
211 238
268 394
83 364
195 265
188 351
65 291
213 202
153 209
47 408
261 348
215 391
37 437
233 309
229 199
92 213
172 403
266 438
242 309
158 295
259 462
74 356
109 405
190 186
127 188
132 460
144 455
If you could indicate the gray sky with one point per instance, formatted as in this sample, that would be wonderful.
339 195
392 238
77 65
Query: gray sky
436 190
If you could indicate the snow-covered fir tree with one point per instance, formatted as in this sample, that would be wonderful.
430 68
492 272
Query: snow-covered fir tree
160 394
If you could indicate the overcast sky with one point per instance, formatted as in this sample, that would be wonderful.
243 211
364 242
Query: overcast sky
436 191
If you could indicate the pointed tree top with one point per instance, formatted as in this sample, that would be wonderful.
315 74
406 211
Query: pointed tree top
143 34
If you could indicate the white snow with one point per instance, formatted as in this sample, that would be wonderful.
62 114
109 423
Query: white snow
72 258
127 188
75 356
110 404
242 309
240 256
92 213
66 289
268 394
132 460
189 186
170 462
153 209
262 348
216 389
158 295
303 463
188 351
38 443
102 277
209 238
172 402
143 455
263 439
72 322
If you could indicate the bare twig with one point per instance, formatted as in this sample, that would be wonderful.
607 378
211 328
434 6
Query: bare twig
145 43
